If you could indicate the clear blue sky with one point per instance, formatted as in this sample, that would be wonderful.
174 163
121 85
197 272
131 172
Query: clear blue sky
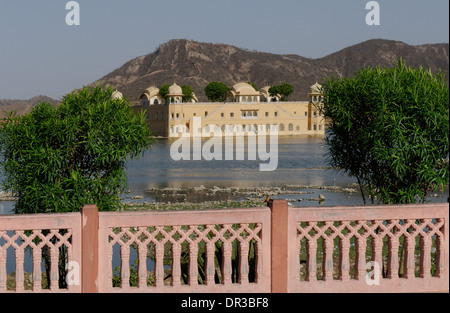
40 54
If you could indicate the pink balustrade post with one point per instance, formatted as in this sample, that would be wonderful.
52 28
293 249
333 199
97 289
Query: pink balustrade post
279 268
89 249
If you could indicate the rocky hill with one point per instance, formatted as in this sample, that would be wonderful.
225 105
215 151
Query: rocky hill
193 63
22 106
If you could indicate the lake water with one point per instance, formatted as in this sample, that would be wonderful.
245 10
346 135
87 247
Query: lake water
301 161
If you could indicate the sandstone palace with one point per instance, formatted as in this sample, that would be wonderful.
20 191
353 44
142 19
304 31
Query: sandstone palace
245 110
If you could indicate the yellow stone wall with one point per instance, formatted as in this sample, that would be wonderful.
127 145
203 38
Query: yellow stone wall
289 118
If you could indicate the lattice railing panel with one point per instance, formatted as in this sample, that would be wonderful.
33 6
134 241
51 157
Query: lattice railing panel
50 251
186 255
341 250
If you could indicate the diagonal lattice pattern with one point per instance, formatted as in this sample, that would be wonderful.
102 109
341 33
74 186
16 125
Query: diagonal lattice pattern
215 247
340 250
53 247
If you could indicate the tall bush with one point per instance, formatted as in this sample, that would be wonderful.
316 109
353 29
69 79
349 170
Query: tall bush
389 129
57 159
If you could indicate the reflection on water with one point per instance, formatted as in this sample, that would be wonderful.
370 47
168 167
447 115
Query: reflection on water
300 162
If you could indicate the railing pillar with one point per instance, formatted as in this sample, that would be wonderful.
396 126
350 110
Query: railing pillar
279 268
89 249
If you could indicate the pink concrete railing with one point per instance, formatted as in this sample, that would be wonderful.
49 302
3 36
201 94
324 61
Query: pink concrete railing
274 249
44 235
165 234
367 249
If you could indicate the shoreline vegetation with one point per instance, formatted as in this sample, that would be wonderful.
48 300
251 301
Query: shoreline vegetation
203 198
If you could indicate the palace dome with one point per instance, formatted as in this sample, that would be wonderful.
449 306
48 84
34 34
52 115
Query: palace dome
316 88
152 90
245 89
117 95
175 90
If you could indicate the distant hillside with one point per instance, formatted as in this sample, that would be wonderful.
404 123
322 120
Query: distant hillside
22 106
197 64
194 63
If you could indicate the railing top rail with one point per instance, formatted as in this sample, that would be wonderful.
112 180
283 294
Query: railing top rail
186 217
39 221
384 212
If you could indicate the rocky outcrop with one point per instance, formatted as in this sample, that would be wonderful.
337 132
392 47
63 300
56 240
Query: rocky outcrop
196 64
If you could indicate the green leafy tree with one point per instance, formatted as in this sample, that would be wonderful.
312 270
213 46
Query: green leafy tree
216 91
163 91
389 129
188 93
273 91
284 90
57 159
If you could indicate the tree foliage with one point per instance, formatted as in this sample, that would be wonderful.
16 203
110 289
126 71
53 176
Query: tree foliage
188 93
216 91
163 91
57 159
284 90
389 129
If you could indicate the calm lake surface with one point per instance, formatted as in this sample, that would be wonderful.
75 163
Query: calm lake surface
301 161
